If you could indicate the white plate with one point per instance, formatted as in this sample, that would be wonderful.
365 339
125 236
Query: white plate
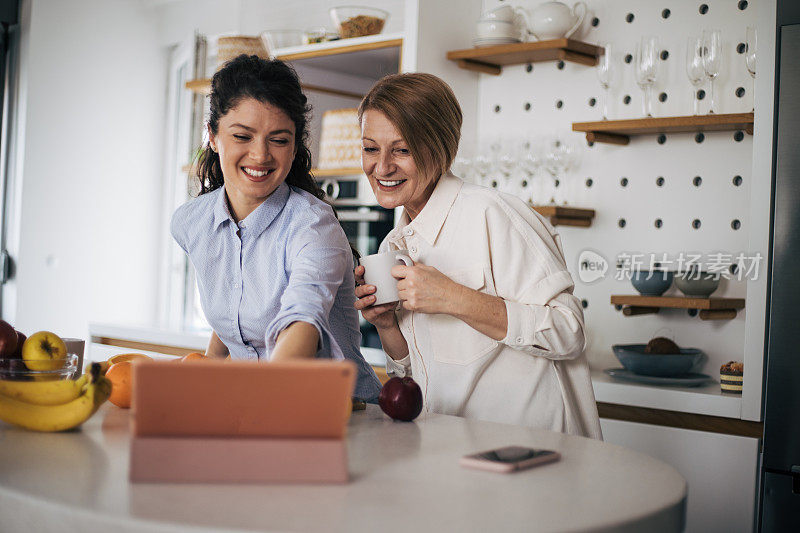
493 42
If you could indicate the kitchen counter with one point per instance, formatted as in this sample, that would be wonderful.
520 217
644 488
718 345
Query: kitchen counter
705 400
404 477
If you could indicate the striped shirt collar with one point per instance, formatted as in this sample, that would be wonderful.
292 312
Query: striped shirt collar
261 217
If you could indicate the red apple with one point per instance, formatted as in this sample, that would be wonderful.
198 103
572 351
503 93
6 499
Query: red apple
401 399
21 337
8 339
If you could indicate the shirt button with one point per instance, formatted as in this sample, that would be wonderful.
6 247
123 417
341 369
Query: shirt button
413 249
408 231
519 340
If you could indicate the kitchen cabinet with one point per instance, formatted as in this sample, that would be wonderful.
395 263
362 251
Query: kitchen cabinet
720 470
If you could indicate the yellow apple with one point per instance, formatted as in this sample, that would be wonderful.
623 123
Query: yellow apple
44 351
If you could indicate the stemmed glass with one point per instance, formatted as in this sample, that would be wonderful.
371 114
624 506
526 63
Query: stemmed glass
694 67
646 57
712 59
482 165
751 43
530 161
558 160
604 73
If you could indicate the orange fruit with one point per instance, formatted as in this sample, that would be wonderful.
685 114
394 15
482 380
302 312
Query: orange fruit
121 384
194 356
127 357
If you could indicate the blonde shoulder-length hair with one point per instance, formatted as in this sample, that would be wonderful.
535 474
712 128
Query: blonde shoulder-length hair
425 111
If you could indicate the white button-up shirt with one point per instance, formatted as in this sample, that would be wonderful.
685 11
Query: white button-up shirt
496 244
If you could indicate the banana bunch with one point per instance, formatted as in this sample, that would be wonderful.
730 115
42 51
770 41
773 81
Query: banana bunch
53 405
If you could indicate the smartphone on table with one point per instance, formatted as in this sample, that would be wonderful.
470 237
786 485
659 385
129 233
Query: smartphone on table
509 459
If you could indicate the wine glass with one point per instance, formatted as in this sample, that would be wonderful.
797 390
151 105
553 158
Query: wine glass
694 67
604 73
558 159
751 43
712 59
646 57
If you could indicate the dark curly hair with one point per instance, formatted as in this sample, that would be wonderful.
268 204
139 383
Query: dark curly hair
273 82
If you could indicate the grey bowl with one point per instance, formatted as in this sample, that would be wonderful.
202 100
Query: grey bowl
702 287
633 358
657 284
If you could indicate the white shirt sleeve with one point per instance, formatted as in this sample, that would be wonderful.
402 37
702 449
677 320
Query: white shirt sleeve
544 317
400 368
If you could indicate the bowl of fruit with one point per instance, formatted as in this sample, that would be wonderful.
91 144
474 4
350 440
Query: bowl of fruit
41 357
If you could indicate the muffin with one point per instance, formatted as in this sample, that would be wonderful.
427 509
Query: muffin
731 375
661 346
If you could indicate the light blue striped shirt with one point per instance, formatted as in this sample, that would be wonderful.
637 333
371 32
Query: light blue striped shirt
287 261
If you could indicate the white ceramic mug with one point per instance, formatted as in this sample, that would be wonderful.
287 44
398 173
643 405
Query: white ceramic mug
378 272
505 13
496 29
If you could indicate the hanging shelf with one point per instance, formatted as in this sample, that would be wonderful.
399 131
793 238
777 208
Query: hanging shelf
566 216
710 308
620 131
492 59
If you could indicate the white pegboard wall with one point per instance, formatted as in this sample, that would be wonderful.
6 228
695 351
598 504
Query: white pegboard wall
677 200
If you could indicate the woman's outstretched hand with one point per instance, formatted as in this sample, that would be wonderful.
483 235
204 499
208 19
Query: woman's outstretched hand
381 316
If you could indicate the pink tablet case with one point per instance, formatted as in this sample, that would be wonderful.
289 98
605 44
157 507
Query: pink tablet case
237 460
306 399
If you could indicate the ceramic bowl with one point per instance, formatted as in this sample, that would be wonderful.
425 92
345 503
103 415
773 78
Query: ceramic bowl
700 285
495 29
633 358
651 283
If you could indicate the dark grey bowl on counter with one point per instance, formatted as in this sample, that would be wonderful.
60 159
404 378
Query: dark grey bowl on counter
700 285
633 358
651 283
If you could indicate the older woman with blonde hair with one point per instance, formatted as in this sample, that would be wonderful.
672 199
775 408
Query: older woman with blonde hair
487 322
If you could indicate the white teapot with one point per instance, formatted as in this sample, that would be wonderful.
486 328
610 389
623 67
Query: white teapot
555 20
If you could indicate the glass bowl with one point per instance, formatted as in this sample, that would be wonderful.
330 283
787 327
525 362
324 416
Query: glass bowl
276 39
17 369
358 21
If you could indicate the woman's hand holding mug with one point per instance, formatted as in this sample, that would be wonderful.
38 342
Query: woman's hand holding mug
381 316
377 289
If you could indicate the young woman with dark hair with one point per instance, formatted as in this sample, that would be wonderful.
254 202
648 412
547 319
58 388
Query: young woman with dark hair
274 267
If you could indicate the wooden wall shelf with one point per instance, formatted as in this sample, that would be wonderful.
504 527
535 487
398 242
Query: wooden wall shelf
566 216
370 56
710 308
492 59
336 172
203 87
620 131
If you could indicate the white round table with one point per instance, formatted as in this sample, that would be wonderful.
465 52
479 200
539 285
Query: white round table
404 477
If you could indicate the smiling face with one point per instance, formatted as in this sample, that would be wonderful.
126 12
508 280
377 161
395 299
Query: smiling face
390 167
256 146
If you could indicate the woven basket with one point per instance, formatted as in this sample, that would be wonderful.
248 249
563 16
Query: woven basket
230 47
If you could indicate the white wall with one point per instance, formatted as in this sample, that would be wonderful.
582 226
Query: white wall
85 226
